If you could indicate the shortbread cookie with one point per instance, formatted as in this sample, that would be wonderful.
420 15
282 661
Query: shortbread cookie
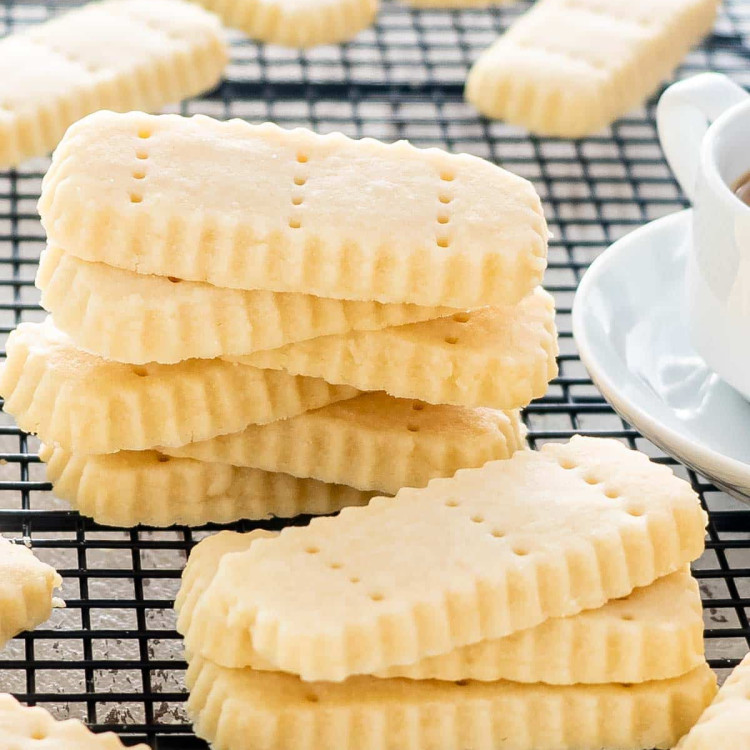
90 405
241 709
500 357
26 588
456 4
118 54
725 723
634 639
481 555
202 564
136 318
322 215
372 442
26 728
570 67
296 24
145 487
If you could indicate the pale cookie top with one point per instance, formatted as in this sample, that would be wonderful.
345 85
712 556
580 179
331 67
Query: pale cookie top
204 559
725 724
25 728
581 42
100 40
570 67
483 554
645 604
255 206
586 39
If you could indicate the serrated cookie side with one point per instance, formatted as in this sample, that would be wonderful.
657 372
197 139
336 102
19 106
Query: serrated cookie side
498 357
145 487
241 709
90 405
371 442
139 318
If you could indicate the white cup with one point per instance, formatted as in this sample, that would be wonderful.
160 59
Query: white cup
704 128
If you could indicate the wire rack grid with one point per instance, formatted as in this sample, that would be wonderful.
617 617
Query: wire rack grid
112 657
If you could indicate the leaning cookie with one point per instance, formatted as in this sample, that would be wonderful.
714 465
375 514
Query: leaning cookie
167 319
498 357
145 487
26 728
90 405
630 640
26 587
371 442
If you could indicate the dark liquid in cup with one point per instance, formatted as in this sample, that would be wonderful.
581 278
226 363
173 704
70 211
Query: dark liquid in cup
741 188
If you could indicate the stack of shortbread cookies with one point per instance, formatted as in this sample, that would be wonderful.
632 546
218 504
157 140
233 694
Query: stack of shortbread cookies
247 321
539 603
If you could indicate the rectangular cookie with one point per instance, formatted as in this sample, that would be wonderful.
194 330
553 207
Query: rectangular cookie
26 590
634 639
117 54
145 487
498 357
25 728
139 318
296 24
569 68
481 555
90 405
316 214
202 565
725 723
241 709
371 442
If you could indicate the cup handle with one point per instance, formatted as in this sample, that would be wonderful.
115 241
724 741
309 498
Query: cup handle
685 111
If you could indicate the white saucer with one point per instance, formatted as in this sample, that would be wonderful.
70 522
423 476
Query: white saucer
629 324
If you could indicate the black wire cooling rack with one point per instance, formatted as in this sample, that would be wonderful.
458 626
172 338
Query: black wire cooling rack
112 657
